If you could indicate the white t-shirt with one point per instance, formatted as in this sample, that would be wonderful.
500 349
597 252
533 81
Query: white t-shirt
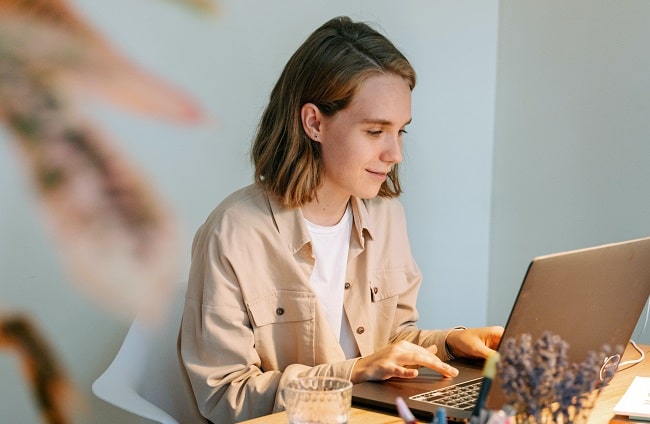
330 246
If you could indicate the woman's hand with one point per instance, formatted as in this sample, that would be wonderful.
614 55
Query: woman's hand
474 342
399 360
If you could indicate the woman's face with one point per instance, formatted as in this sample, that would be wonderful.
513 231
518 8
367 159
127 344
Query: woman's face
361 143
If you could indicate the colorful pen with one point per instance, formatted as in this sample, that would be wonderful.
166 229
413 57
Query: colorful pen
441 416
403 411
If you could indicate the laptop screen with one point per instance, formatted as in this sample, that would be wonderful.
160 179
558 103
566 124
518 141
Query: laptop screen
592 298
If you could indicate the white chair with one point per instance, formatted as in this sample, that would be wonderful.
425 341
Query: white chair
145 376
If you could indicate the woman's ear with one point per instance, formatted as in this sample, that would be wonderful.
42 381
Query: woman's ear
311 120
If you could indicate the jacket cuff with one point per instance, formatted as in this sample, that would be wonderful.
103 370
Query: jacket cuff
448 353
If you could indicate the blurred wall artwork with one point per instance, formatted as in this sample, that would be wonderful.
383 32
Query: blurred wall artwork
114 234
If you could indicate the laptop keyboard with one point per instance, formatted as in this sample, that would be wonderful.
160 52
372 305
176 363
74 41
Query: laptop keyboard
461 396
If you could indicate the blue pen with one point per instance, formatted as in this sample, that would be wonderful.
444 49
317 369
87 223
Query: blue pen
489 371
441 416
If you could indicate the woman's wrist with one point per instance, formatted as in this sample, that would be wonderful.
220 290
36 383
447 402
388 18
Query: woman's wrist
356 373
448 349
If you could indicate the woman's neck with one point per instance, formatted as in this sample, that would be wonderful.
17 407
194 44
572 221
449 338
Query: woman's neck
325 212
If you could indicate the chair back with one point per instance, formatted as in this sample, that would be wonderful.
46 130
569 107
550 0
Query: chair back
145 376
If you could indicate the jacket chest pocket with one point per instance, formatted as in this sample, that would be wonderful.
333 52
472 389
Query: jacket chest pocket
387 285
282 306
385 289
284 328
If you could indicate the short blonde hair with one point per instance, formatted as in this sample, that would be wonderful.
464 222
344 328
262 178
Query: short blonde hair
326 70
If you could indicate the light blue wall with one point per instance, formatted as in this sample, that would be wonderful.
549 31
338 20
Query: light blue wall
229 63
530 135
572 134
448 160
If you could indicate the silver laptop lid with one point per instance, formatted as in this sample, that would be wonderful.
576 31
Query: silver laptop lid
590 297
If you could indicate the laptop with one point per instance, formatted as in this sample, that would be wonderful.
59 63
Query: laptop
590 297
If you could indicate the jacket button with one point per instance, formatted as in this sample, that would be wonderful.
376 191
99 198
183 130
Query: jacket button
360 330
375 290
279 311
347 285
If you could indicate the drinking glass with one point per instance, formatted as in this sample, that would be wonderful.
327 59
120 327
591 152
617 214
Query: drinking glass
318 400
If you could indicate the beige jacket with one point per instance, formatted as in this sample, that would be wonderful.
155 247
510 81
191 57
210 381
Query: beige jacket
251 321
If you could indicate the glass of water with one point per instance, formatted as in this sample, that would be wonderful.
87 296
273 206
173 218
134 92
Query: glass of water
318 400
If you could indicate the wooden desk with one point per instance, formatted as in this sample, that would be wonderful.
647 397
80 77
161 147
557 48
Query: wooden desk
357 416
601 414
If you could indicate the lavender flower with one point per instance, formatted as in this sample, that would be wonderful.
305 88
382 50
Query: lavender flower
538 379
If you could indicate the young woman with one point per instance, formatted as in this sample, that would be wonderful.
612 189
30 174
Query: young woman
308 271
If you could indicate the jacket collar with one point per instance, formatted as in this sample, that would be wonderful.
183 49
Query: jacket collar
291 225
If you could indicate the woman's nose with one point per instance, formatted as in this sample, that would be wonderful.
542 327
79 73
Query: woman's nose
393 151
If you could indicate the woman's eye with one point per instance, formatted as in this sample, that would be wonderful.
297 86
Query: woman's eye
374 132
402 132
